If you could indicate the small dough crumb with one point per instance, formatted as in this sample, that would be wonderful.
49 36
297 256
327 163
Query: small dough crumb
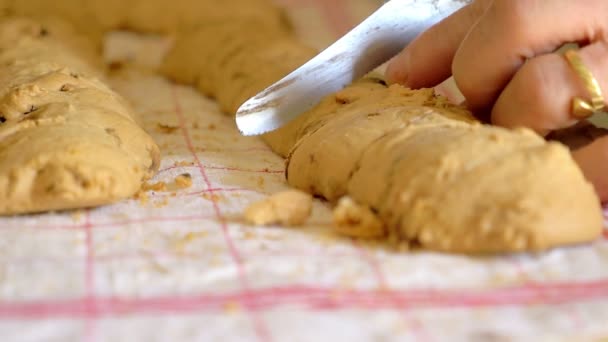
212 197
357 221
142 197
289 208
184 163
166 129
183 181
158 187
162 203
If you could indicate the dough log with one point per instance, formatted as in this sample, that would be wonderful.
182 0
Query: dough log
438 179
427 170
66 140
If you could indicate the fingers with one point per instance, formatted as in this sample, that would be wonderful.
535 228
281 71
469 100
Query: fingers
510 32
540 95
593 161
427 61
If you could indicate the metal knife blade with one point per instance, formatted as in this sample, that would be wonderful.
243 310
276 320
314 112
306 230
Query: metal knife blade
377 39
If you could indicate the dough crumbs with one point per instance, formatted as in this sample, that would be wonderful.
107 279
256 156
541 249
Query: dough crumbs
181 243
143 197
211 197
159 187
249 235
289 208
232 307
184 163
162 203
260 182
77 215
183 181
166 129
357 221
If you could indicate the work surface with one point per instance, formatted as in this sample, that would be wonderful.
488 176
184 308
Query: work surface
180 266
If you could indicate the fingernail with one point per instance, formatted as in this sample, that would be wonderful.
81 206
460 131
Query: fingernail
398 69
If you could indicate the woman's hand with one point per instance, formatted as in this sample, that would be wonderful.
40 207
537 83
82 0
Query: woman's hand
501 54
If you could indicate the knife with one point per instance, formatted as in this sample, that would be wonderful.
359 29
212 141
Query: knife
373 42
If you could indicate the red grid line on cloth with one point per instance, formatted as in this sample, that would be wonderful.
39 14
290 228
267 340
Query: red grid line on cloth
90 300
572 314
235 150
129 221
340 22
146 219
212 191
260 328
171 168
416 326
120 223
314 298
151 254
374 265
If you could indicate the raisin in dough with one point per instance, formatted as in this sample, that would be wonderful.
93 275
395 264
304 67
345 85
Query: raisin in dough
66 140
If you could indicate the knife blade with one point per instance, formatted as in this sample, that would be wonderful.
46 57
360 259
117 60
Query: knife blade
373 42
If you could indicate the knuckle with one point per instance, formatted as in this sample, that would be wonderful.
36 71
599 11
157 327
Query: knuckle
535 82
516 16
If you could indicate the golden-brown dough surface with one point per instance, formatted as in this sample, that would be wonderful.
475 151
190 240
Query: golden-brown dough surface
437 178
66 140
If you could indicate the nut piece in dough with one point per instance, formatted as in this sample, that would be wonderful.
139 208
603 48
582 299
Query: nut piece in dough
354 220
289 208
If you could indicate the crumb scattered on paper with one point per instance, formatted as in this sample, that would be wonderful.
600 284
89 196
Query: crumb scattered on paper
183 181
143 197
77 215
161 203
182 242
290 208
260 182
159 187
166 129
184 163
211 197
232 307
